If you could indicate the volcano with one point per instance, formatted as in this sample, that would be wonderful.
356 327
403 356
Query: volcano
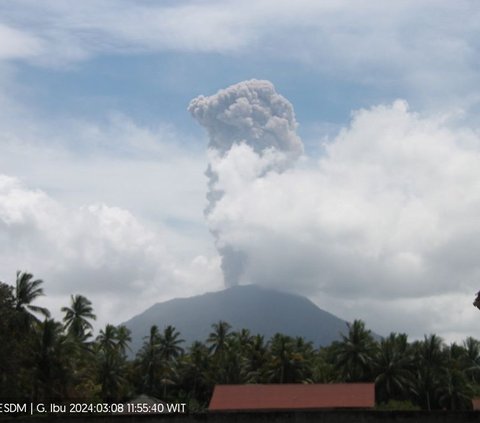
260 310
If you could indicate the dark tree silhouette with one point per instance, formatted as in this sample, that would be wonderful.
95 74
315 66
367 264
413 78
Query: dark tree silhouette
27 291
77 317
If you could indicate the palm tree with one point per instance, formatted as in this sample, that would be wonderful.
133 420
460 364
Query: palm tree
229 360
107 338
77 326
50 361
112 361
354 354
26 292
149 359
10 346
430 362
218 339
454 392
111 375
322 367
169 351
17 347
170 343
195 372
77 317
123 339
393 368
471 359
243 337
255 361
287 364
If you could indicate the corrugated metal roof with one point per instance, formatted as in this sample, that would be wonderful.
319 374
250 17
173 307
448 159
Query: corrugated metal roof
292 396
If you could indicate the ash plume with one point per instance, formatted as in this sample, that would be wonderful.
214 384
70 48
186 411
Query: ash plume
250 113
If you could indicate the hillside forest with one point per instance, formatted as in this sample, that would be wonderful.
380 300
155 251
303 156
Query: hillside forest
42 359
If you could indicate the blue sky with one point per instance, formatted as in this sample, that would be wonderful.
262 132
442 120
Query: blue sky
156 88
102 167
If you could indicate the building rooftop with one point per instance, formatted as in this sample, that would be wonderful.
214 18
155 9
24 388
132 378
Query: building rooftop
292 396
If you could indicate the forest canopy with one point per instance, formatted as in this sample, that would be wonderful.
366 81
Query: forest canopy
42 359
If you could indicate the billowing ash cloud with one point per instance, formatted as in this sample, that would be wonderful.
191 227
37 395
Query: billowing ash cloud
251 112
248 117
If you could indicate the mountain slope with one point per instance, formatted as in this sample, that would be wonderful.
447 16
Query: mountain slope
257 309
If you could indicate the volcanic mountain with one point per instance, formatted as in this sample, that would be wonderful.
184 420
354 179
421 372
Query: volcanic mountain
260 310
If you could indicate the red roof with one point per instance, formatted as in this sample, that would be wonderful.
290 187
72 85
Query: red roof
292 396
476 403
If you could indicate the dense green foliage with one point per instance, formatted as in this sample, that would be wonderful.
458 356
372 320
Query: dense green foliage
42 359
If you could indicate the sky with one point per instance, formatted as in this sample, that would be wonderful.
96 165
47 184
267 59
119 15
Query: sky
159 149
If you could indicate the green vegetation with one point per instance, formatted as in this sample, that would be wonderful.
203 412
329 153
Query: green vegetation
42 359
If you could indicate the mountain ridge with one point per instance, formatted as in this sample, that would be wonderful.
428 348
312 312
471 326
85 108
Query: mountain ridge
258 309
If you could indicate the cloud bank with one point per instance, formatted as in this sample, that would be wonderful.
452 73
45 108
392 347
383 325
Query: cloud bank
103 252
389 211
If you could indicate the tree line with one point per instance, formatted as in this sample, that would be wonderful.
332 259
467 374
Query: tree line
42 359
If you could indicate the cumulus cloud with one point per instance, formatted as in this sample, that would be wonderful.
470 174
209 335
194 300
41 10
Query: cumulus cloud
248 116
104 252
390 211
95 237
92 209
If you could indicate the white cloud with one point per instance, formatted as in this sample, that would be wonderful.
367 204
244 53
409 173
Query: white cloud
336 35
118 162
109 210
389 212
76 32
102 252
17 44
423 51
450 316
